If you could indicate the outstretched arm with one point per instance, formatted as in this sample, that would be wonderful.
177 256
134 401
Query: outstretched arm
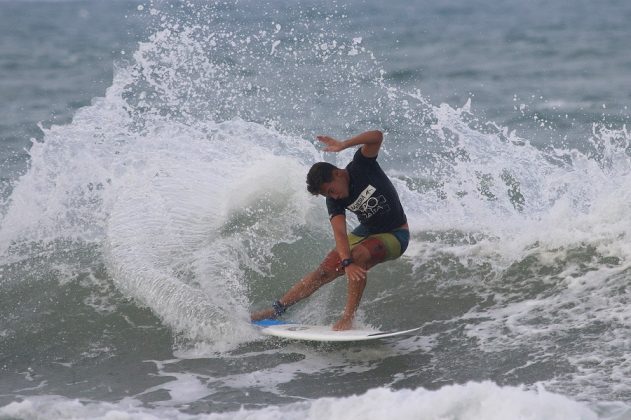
370 141
354 271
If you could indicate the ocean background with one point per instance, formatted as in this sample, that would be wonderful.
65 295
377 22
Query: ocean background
152 165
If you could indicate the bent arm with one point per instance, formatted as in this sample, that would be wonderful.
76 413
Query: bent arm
370 141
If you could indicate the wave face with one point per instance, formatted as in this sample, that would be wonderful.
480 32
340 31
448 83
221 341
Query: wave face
176 203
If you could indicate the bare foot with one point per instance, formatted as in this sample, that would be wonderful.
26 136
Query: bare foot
264 314
343 325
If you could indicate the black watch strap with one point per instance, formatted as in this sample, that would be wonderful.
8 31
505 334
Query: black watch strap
346 262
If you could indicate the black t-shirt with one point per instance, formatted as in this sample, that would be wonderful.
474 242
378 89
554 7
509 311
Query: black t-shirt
371 197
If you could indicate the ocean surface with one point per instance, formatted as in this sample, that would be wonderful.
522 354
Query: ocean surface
152 165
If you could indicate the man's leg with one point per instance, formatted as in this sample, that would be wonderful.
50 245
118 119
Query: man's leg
367 254
328 270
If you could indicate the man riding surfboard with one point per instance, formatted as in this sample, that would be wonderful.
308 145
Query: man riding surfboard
382 235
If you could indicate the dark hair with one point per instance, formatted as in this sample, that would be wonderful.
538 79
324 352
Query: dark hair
319 174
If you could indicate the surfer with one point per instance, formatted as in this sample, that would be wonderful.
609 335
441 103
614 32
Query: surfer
382 235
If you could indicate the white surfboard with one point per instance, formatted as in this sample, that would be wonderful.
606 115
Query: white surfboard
323 333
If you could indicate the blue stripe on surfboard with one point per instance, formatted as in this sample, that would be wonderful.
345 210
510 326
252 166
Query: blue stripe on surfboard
269 322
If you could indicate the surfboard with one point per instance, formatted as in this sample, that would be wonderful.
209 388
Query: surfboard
322 333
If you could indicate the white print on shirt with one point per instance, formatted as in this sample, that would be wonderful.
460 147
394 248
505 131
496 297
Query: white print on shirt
363 197
366 205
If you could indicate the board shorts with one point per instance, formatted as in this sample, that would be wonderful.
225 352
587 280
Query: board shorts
394 242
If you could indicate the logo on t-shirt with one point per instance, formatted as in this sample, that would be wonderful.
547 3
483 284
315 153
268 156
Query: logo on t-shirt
366 205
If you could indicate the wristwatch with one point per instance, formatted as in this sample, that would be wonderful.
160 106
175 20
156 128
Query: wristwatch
346 262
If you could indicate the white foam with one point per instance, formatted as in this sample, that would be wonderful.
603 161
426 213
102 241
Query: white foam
471 401
186 223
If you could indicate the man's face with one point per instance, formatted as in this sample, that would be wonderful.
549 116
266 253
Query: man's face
337 188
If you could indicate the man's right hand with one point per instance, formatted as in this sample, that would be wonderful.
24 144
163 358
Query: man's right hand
355 272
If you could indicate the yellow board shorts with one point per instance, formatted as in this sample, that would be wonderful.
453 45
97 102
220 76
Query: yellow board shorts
394 242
